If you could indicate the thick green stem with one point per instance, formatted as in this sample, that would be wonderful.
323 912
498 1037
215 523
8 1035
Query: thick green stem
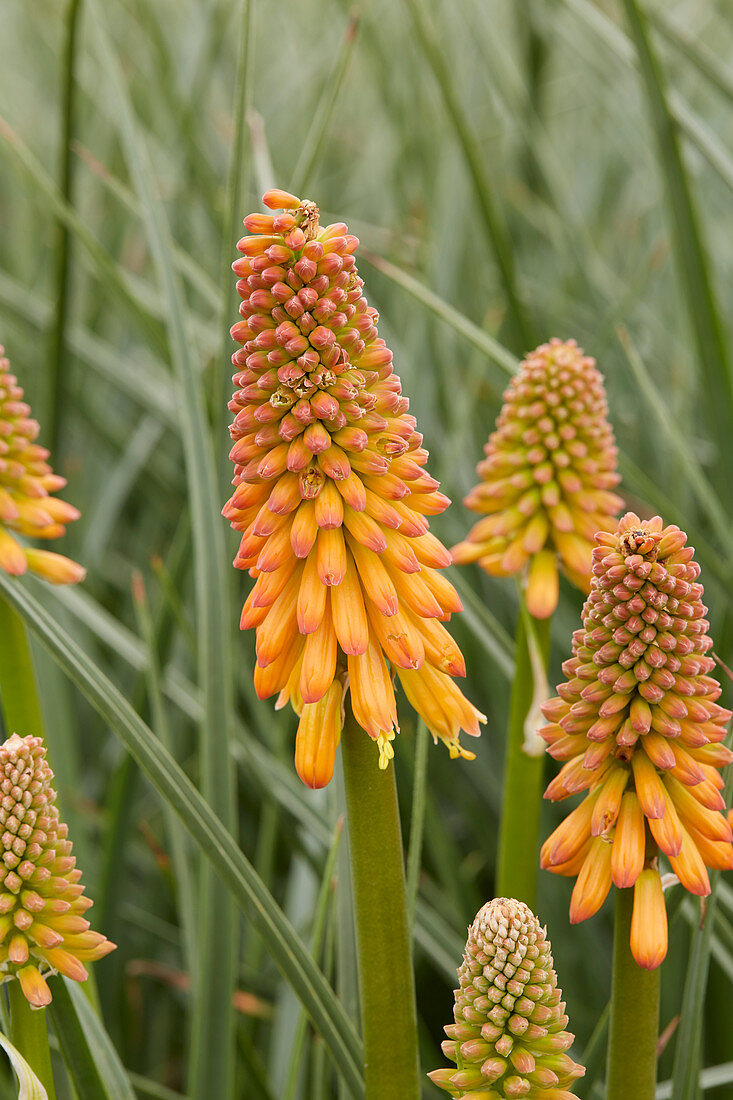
632 1046
386 983
18 694
516 875
30 1036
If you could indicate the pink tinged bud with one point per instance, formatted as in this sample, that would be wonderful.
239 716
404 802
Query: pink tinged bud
275 199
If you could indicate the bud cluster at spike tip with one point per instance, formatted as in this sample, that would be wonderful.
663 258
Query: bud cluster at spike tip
638 726
546 479
333 499
27 482
509 1036
42 902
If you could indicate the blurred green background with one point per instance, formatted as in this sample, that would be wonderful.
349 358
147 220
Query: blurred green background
513 173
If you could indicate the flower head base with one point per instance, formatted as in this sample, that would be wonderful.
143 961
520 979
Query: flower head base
509 1036
546 479
638 727
27 482
332 500
42 903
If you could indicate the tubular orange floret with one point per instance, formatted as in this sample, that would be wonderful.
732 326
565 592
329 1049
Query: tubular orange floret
649 920
509 1038
330 469
27 507
42 902
546 479
639 697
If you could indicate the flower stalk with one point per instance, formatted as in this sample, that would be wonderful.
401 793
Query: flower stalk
386 983
632 1048
29 1032
18 692
524 769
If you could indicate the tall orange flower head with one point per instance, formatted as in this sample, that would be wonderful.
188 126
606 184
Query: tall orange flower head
546 479
509 1038
42 902
27 483
639 729
332 499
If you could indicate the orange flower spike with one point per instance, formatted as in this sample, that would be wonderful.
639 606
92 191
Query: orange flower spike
546 479
42 902
330 472
638 716
27 482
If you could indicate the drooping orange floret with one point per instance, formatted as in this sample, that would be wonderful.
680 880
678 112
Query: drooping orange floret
332 498
42 902
27 484
546 479
638 726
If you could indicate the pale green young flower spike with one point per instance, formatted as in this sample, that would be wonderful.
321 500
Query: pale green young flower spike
509 1038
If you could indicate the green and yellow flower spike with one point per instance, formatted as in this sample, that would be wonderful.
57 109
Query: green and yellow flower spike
508 1039
27 483
547 477
42 902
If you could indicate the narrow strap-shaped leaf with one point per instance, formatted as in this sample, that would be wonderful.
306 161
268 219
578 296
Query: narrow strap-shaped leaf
141 307
56 380
211 1064
466 328
689 249
495 230
314 139
90 1057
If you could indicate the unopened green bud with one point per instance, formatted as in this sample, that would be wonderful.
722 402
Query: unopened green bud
509 1037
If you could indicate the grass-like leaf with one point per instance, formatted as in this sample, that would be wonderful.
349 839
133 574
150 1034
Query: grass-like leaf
211 1067
91 1059
475 161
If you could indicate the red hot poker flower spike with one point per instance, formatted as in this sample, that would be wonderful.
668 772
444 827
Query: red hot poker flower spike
638 727
332 498
546 479
509 1038
27 484
42 902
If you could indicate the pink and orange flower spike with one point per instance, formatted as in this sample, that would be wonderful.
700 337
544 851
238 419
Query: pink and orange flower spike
28 507
332 498
547 477
42 904
638 727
